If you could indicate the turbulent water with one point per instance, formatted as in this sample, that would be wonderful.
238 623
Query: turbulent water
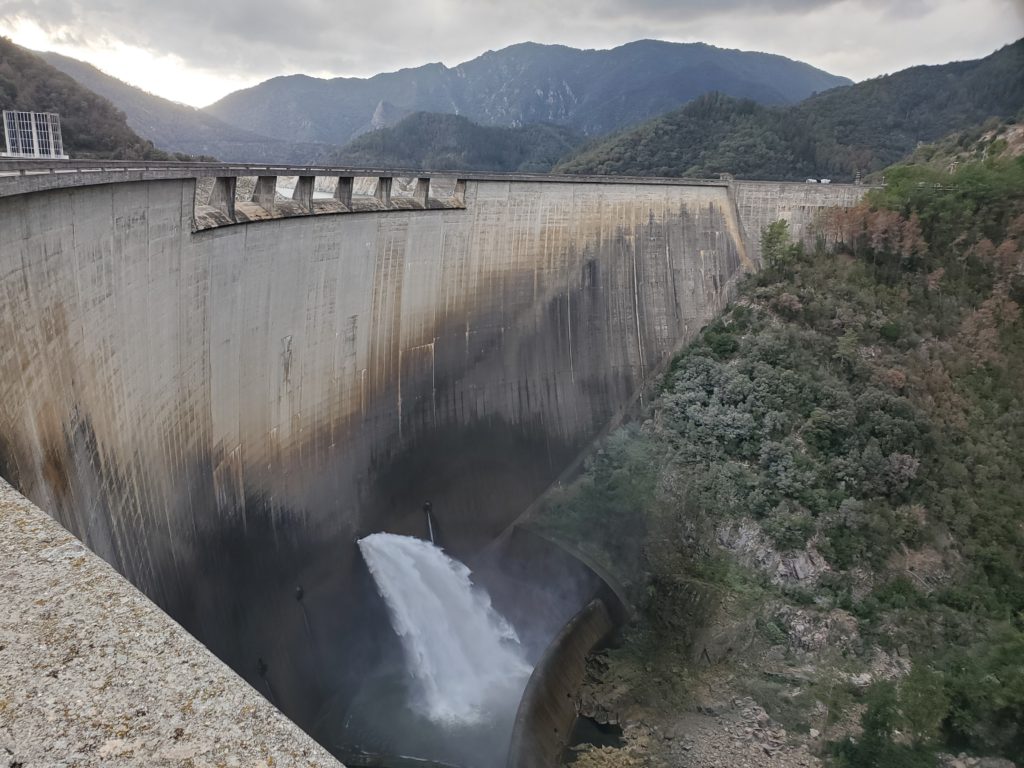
464 658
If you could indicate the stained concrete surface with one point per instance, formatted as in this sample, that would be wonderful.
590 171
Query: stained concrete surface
92 673
220 414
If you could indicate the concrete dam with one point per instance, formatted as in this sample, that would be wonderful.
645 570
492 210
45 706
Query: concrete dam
219 393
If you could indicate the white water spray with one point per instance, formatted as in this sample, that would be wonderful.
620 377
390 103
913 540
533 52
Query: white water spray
464 657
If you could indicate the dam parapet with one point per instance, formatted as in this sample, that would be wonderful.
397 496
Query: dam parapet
94 674
222 200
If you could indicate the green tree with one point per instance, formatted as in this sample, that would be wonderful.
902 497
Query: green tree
778 252
924 704
876 747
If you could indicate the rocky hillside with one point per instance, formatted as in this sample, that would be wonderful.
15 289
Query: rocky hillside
995 139
180 128
90 125
592 92
449 142
821 516
862 127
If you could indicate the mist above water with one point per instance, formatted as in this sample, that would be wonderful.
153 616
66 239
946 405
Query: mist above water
465 659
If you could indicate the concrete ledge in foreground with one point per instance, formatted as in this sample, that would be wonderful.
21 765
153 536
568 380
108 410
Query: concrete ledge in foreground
92 673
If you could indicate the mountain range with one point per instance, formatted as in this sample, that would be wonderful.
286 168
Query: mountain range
593 92
301 119
863 127
529 106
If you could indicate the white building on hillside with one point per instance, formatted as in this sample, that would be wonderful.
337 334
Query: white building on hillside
33 135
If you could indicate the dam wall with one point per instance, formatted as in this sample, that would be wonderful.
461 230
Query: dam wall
760 203
219 414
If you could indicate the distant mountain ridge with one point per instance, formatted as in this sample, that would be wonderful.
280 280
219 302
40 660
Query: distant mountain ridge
864 127
592 92
180 128
428 140
91 126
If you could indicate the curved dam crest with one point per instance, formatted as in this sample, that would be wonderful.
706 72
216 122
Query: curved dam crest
220 414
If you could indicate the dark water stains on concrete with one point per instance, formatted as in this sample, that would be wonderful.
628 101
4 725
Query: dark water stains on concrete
241 602
477 478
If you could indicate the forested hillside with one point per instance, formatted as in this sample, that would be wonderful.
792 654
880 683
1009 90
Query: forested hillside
863 127
449 142
91 126
823 510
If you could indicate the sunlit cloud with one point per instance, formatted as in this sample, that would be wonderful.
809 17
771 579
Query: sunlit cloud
166 75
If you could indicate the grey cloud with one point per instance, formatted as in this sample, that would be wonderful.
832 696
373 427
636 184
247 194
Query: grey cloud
261 34
267 36
695 9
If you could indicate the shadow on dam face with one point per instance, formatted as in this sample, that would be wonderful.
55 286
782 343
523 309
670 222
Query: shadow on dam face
222 414
297 613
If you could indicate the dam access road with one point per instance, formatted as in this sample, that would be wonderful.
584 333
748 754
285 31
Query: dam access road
218 392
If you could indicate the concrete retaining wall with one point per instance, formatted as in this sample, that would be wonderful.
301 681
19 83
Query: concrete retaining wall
548 708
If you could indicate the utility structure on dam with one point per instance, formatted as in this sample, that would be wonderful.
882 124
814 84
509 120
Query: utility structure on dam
218 393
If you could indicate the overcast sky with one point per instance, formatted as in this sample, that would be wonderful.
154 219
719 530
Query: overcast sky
196 51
